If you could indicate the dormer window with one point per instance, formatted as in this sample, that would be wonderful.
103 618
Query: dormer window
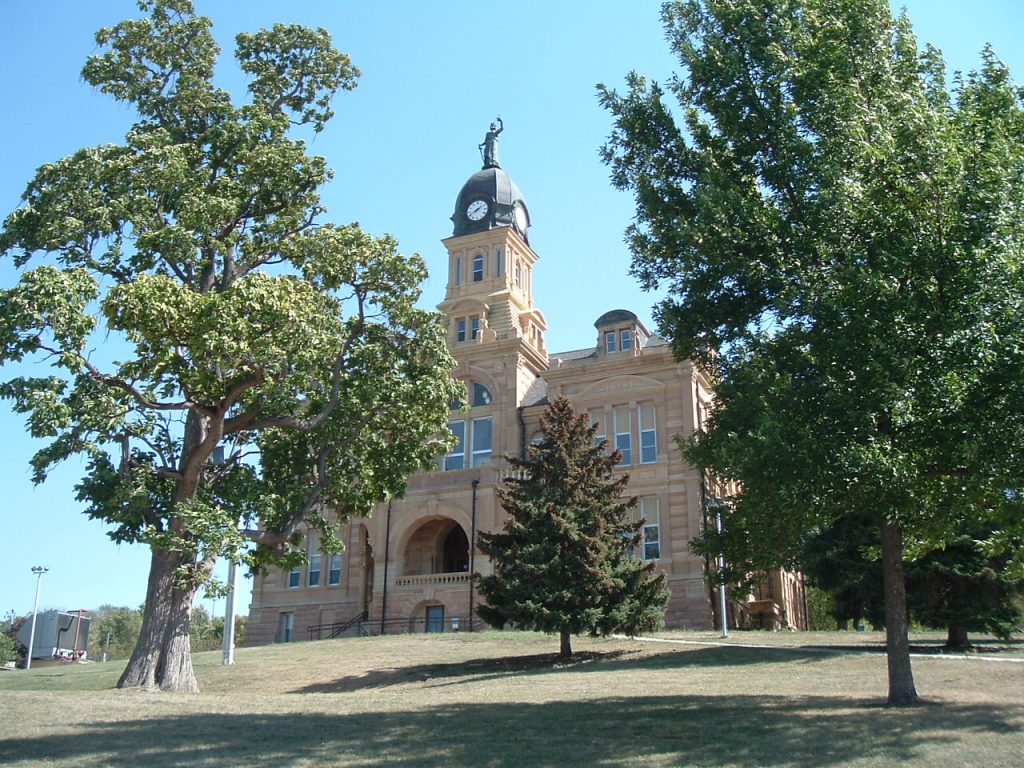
620 331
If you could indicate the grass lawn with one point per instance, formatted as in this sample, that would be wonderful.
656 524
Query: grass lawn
501 699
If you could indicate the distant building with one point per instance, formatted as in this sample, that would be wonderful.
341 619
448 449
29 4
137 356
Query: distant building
407 568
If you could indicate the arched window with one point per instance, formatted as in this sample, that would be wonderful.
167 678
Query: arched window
481 395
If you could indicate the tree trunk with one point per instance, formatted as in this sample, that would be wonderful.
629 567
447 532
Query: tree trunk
162 656
956 638
897 643
565 644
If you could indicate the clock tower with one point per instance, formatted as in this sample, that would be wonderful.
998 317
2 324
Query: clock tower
495 333
489 300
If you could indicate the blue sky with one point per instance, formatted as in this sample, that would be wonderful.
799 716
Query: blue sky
434 75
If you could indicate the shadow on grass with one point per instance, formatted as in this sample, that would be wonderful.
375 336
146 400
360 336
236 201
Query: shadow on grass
666 730
476 670
929 648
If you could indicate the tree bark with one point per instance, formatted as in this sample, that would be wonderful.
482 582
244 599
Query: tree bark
565 644
162 657
897 643
956 638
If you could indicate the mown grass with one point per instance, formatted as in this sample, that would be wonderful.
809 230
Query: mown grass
503 699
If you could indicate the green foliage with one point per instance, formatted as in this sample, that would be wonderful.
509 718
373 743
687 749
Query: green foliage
839 227
8 646
564 560
114 631
959 586
841 240
820 610
239 320
328 371
843 560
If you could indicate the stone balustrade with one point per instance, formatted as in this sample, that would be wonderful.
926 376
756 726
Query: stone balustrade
432 578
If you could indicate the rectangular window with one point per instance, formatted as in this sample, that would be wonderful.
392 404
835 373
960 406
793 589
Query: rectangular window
497 263
481 442
609 341
294 577
652 528
313 573
334 569
458 271
623 435
519 275
478 268
625 339
648 434
474 325
460 329
287 627
457 458
597 418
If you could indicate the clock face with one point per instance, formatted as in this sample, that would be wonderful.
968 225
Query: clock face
522 220
476 210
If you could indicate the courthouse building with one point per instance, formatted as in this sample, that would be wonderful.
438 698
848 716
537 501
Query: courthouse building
408 566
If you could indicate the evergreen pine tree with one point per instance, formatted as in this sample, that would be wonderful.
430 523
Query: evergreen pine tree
564 561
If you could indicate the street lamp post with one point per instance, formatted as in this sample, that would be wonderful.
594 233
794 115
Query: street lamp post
721 567
38 570
228 647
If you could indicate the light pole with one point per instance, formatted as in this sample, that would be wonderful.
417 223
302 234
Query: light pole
721 567
228 647
38 570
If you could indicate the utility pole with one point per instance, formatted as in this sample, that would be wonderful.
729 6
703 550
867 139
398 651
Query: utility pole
38 570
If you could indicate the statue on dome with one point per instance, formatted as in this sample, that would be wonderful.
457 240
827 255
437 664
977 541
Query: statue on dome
490 144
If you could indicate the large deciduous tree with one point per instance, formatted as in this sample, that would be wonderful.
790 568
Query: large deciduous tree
230 319
564 560
847 232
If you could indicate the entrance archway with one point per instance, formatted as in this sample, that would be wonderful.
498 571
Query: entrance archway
439 545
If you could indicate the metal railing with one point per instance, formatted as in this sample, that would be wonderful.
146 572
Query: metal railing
337 628
376 627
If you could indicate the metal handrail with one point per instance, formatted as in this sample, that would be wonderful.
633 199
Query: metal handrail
336 628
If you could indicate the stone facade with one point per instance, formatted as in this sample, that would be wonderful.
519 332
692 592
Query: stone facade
407 567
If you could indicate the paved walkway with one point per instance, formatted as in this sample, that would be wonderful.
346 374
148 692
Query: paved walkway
825 649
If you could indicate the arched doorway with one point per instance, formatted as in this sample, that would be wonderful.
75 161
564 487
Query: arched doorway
439 545
455 551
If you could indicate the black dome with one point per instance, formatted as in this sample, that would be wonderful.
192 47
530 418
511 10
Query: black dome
493 186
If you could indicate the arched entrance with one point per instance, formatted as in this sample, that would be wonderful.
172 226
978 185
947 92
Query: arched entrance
439 545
